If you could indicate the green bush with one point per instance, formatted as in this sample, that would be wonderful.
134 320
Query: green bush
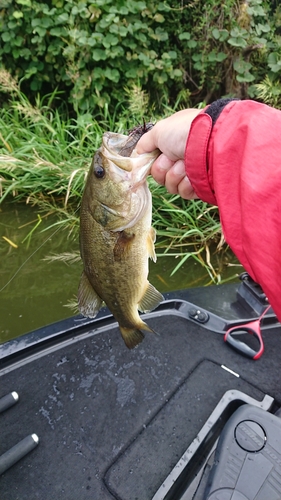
177 51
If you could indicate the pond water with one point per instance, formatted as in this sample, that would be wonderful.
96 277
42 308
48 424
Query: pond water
35 292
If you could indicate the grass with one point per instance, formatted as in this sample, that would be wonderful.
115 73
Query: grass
45 156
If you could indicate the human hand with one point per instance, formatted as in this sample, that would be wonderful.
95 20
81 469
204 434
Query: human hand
170 136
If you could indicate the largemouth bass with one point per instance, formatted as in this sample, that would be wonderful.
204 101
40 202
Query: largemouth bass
116 237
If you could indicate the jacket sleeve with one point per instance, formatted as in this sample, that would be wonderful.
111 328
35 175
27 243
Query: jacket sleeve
235 163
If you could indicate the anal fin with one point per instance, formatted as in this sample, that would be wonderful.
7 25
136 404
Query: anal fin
150 299
89 302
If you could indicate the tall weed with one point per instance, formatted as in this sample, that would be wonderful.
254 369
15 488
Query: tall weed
44 160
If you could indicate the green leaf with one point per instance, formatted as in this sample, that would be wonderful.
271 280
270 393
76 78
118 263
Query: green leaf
169 55
237 42
172 54
83 40
159 18
26 53
59 31
141 36
16 52
191 44
224 34
118 29
275 68
35 85
198 65
247 77
144 59
256 10
62 18
42 22
69 52
212 56
17 14
6 36
98 55
97 72
131 73
112 74
184 36
238 32
161 34
91 42
18 41
12 24
24 2
273 58
197 57
265 28
41 31
220 34
114 52
30 71
216 33
241 66
110 40
160 77
221 56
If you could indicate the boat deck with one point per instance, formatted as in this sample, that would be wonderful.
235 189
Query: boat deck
113 423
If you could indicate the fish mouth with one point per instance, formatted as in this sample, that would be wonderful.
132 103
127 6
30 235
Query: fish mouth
112 144
138 165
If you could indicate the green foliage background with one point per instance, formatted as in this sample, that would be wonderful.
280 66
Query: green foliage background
177 51
69 70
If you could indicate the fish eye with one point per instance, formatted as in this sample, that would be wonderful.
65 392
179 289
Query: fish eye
99 172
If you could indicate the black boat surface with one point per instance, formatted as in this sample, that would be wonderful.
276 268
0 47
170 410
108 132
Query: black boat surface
143 424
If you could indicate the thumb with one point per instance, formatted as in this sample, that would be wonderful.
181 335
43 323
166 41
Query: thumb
147 142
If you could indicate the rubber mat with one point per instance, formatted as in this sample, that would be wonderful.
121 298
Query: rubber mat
112 422
140 470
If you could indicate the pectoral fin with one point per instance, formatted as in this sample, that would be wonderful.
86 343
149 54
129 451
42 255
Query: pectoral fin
89 302
150 244
122 245
150 299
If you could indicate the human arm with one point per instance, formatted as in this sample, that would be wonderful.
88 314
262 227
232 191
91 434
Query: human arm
235 163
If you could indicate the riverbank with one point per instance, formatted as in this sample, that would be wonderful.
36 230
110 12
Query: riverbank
45 156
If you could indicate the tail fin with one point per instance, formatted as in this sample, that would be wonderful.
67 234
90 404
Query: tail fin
131 336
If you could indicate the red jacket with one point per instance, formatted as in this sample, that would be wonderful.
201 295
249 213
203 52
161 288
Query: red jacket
236 165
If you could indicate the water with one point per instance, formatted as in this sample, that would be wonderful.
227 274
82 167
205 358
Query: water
40 291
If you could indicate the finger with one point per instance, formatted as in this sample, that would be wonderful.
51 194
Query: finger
177 182
160 168
174 176
147 142
186 191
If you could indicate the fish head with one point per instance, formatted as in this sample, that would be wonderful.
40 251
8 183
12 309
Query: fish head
118 189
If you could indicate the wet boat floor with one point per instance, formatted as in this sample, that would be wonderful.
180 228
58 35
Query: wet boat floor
113 423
